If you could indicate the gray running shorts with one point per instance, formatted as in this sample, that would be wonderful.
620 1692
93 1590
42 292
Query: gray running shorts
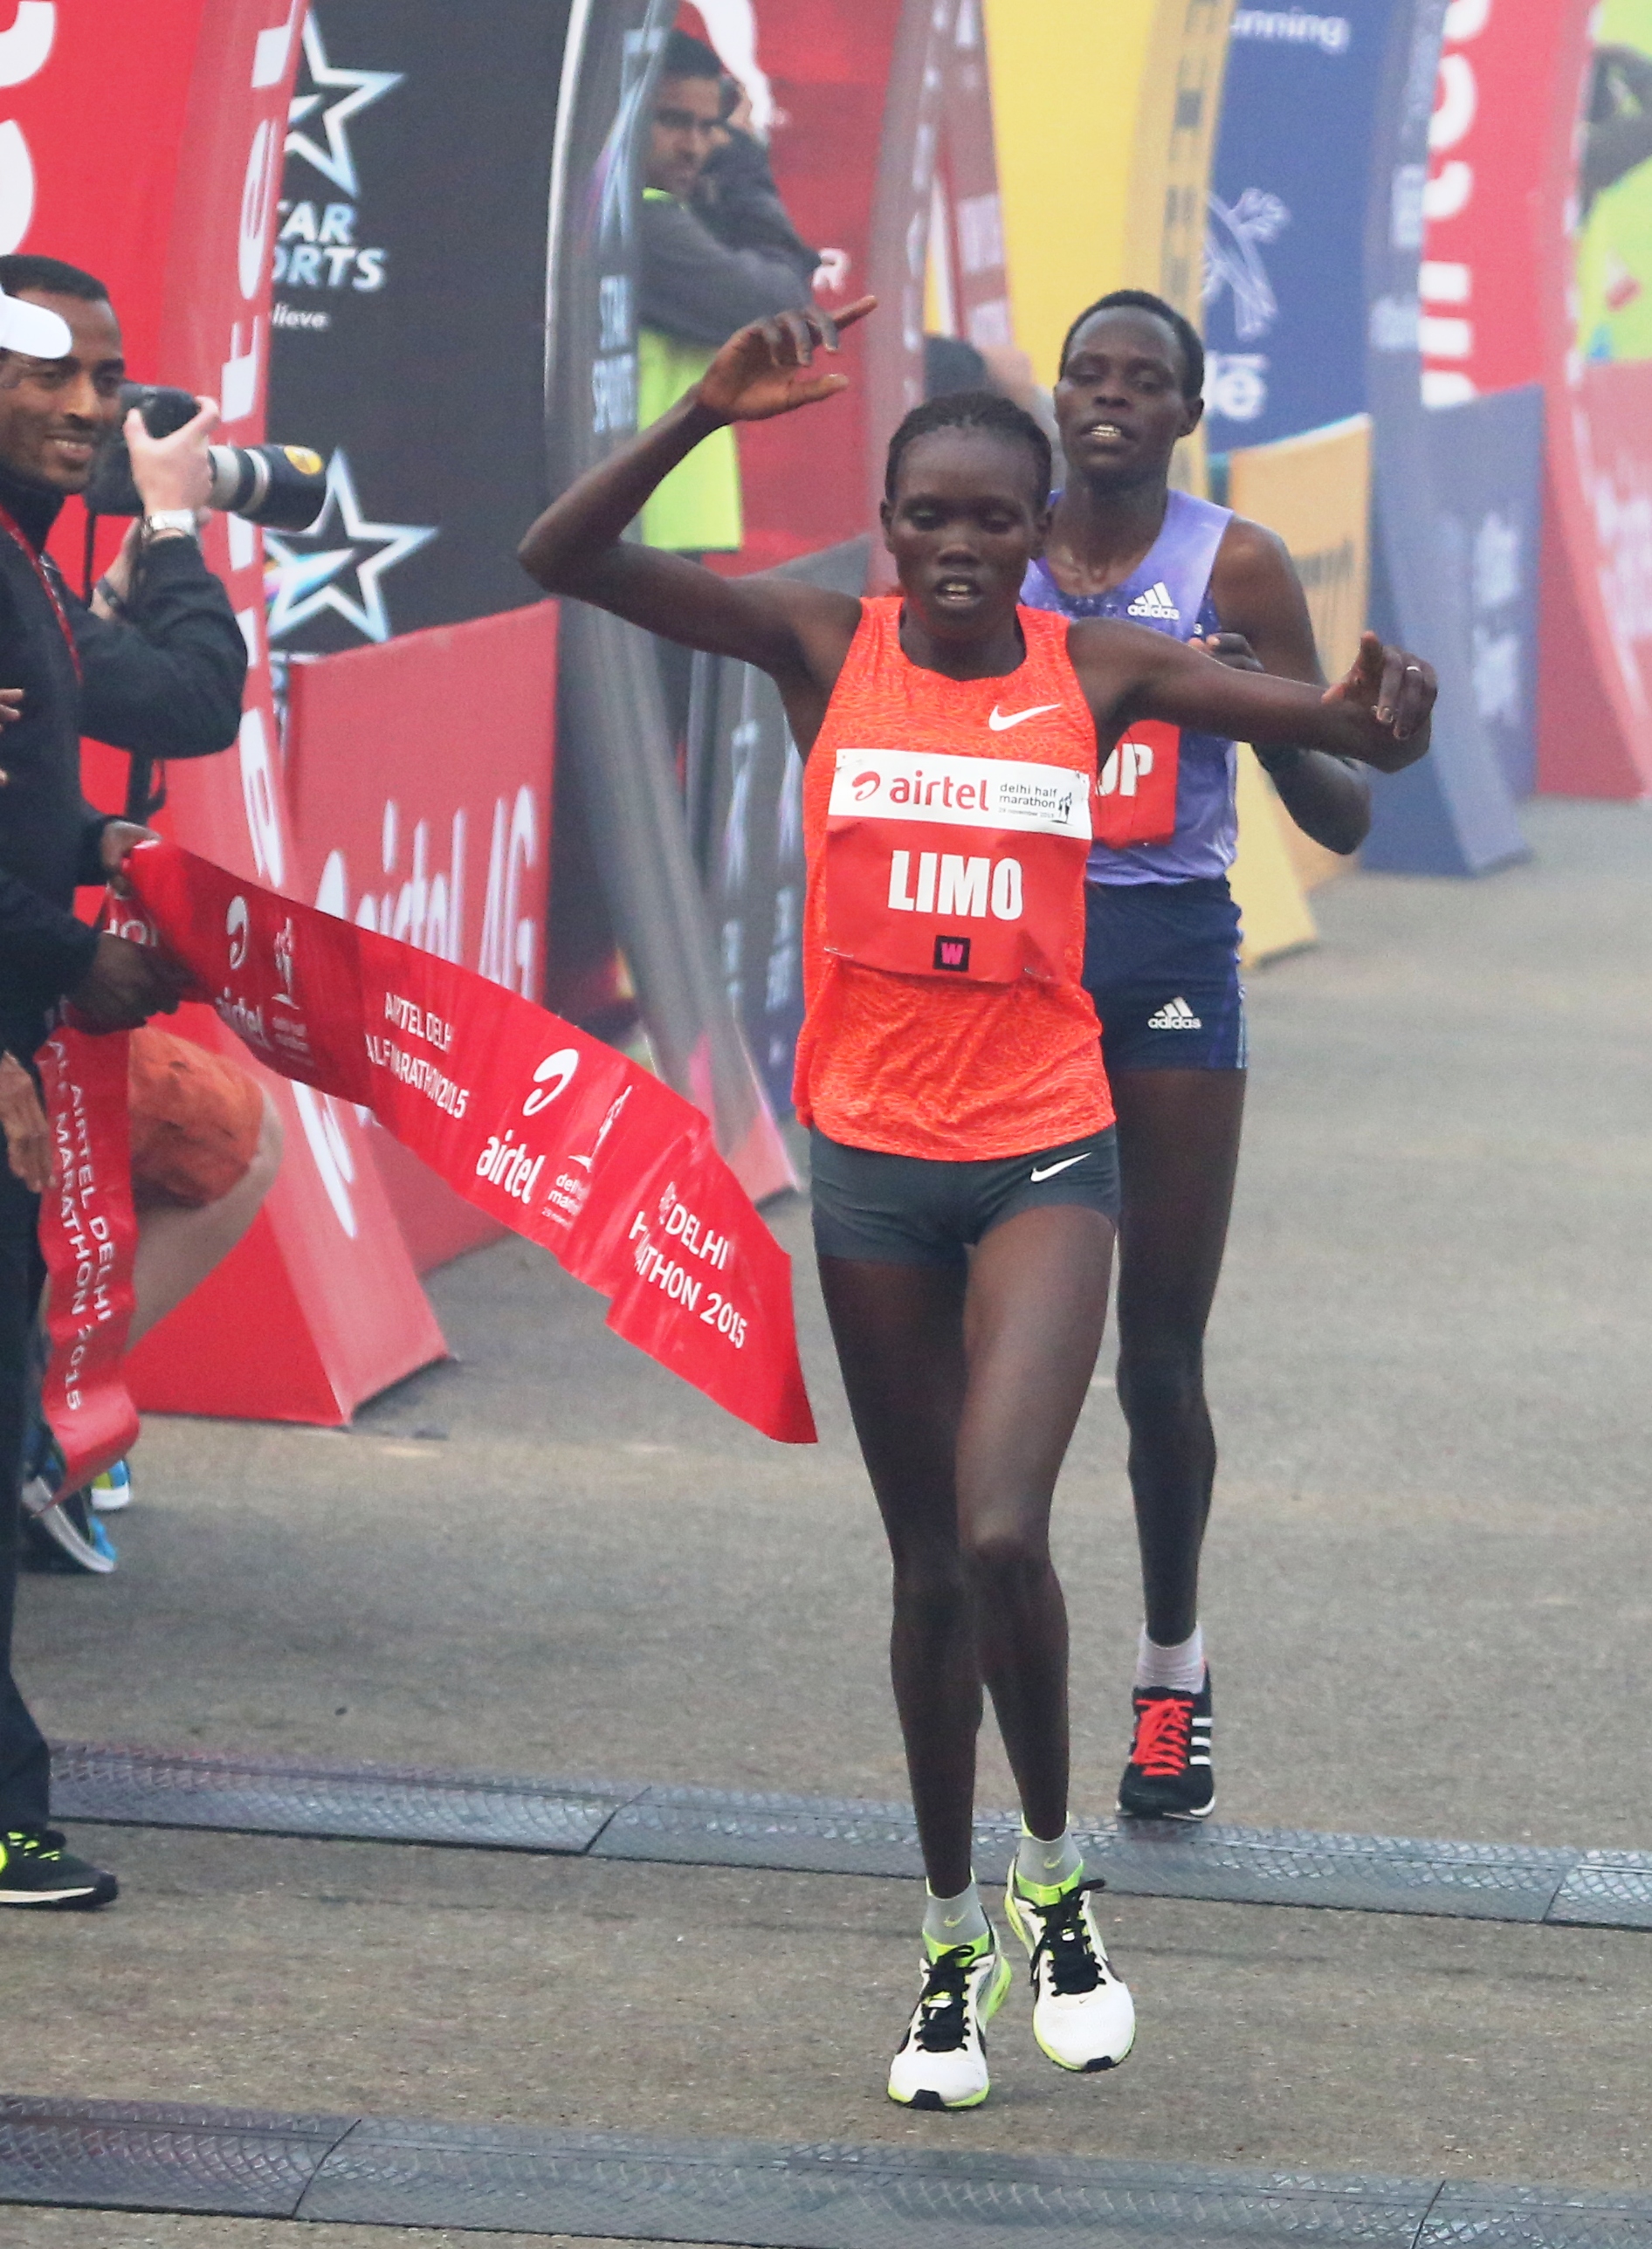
906 1210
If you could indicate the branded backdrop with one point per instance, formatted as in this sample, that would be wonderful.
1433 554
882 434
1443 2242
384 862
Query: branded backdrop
1284 297
1452 814
1595 261
614 739
409 311
145 144
408 319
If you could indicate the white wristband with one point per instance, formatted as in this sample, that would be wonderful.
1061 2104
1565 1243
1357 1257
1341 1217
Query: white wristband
171 519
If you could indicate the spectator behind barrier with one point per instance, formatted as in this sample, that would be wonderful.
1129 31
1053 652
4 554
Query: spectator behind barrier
164 682
718 251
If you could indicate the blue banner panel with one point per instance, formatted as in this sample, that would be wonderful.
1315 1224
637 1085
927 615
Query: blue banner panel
1284 282
1454 812
1487 461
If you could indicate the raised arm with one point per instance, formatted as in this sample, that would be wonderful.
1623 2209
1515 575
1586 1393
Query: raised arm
797 633
1378 713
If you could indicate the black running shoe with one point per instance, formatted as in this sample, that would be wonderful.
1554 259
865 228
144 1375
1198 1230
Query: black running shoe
36 1870
1169 1775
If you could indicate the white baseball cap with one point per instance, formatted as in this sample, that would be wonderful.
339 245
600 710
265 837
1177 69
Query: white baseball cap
32 328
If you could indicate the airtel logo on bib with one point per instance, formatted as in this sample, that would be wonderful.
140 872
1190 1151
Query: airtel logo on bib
864 785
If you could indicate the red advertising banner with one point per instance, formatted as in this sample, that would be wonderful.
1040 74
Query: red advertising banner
1479 325
548 1131
419 773
146 144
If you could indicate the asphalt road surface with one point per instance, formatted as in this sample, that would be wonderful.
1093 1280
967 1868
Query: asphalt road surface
1428 1587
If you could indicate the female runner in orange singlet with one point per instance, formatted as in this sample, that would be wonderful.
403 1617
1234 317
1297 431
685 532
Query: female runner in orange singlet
964 1174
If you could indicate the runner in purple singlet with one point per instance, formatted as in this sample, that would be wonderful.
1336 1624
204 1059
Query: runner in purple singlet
1162 955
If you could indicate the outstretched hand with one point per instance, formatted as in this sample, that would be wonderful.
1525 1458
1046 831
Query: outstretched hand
1396 688
769 368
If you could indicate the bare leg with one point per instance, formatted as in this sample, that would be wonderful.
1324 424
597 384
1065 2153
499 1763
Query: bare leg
964 1398
1178 1155
1036 1305
178 1246
899 1332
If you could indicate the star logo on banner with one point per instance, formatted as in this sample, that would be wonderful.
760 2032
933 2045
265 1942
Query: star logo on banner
341 550
338 95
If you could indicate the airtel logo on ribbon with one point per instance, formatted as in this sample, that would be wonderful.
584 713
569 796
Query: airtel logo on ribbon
552 1077
235 923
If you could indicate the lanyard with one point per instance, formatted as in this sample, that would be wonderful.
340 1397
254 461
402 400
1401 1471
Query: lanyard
40 571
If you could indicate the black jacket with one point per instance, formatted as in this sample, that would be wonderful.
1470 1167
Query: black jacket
168 684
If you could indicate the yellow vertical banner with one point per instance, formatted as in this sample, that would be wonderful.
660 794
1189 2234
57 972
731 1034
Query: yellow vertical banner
1314 491
1105 115
1066 80
1178 110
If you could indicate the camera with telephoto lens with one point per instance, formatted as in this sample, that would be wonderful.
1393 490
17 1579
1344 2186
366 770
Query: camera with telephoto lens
284 486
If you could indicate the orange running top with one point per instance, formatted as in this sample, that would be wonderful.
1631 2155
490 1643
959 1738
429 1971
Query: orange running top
919 1065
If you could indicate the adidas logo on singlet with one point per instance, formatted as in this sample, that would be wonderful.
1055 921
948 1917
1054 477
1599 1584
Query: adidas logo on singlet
1157 604
1175 1015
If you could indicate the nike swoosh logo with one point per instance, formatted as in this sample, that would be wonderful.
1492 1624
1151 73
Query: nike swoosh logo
953 1920
998 721
1065 1164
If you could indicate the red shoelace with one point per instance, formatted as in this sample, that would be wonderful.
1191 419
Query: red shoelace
1164 1731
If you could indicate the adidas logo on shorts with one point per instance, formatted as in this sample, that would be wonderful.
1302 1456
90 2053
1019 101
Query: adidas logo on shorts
1175 1015
1157 604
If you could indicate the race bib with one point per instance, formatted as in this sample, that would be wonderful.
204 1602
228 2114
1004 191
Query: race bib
970 868
1135 798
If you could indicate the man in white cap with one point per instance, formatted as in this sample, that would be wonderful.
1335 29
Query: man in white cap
166 681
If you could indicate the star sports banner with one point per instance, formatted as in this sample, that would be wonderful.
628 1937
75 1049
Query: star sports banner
546 1131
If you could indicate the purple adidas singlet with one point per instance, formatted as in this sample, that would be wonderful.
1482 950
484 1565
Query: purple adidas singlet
1170 591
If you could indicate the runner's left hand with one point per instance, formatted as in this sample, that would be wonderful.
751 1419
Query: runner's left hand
1398 689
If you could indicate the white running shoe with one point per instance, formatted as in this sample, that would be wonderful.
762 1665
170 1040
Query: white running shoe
112 1489
1083 2018
942 2062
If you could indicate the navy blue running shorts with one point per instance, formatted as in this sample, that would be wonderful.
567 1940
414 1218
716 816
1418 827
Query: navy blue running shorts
1161 962
906 1210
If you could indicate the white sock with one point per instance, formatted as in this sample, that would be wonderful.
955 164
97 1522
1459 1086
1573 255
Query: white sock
1182 1667
961 1920
1047 1866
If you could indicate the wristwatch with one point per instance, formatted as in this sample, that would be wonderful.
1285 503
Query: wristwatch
171 519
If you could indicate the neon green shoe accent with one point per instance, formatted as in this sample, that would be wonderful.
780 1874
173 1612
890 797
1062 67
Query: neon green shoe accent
981 1944
1041 1893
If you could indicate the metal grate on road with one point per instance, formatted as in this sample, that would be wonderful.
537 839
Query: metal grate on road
809 1834
151 1788
376 2171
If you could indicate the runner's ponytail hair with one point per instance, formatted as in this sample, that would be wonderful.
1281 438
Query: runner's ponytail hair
972 410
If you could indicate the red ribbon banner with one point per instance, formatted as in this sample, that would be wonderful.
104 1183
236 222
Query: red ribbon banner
547 1130
88 1235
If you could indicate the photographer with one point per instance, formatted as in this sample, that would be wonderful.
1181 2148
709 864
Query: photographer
161 677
